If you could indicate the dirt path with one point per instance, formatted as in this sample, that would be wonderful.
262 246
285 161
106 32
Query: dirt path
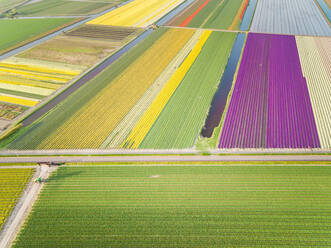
23 207
165 158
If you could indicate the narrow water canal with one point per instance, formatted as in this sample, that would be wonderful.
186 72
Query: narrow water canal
219 101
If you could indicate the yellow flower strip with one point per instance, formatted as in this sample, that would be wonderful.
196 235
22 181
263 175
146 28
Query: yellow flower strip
26 89
39 69
74 69
19 81
140 130
34 75
93 123
158 13
19 101
234 24
12 184
41 73
130 13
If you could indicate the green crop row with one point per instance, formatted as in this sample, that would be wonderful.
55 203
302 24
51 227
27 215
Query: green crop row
182 206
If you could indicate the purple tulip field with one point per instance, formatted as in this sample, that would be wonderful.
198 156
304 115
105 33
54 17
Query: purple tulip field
270 105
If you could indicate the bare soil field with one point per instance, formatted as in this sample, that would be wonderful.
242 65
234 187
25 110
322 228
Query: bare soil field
71 50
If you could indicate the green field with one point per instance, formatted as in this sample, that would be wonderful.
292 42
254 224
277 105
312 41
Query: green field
179 127
12 184
18 31
63 7
182 206
32 136
217 14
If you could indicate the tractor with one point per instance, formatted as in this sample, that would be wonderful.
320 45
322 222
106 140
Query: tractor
38 180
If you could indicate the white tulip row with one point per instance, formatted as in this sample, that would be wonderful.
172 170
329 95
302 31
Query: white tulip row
318 76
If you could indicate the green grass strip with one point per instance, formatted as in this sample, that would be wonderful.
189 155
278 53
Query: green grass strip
20 93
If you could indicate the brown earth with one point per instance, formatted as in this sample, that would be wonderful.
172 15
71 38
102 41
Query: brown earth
72 50
103 32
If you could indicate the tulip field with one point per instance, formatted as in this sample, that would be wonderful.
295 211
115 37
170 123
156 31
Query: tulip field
315 53
26 82
270 106
122 130
140 130
275 102
225 14
138 13
182 206
31 76
136 114
12 184
194 95
165 123
290 17
208 75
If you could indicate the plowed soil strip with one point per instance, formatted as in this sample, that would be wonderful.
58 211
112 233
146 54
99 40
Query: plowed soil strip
104 32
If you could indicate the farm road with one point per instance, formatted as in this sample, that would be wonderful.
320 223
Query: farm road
23 207
174 158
